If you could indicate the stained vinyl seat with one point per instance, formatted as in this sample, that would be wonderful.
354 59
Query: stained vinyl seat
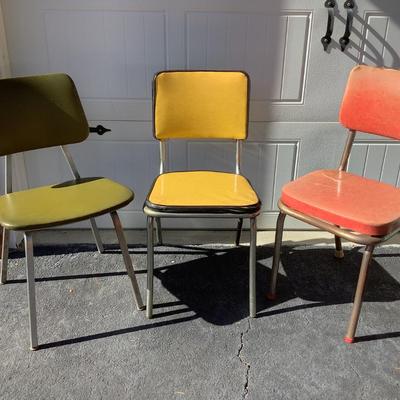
347 200
66 202
354 208
202 192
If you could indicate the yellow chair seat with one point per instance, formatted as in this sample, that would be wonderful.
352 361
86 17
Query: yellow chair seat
63 203
202 192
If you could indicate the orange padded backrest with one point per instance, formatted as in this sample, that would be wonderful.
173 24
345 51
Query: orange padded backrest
371 101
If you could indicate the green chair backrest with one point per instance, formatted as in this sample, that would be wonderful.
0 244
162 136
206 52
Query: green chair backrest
40 111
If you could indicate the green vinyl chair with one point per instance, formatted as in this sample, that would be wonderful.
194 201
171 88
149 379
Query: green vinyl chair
39 112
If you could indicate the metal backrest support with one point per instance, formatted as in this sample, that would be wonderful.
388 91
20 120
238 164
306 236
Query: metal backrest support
38 112
371 102
200 105
347 150
164 156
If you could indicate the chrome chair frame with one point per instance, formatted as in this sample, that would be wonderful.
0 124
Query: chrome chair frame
34 344
154 215
370 242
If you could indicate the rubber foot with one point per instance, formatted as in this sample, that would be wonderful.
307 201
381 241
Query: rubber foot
271 296
339 254
348 340
34 348
141 308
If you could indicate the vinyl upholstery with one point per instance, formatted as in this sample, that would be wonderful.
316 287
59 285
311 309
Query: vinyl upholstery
371 102
67 202
203 191
40 111
43 111
201 104
347 200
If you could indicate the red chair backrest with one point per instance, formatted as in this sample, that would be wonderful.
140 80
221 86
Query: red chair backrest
371 101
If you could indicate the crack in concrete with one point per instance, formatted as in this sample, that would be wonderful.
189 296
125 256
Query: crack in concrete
245 363
360 380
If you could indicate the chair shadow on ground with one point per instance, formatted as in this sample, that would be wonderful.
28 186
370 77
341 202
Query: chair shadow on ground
214 286
54 250
43 251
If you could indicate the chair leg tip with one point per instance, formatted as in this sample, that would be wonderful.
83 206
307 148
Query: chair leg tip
141 308
34 348
339 254
349 340
271 296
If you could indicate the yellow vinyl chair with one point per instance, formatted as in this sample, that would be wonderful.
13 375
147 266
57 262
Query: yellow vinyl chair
201 105
38 112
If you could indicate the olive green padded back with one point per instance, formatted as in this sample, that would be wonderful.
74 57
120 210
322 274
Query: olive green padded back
40 111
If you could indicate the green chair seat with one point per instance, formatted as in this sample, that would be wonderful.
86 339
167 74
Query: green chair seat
63 203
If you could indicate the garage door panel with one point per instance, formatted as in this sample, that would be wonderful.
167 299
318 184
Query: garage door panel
376 159
109 54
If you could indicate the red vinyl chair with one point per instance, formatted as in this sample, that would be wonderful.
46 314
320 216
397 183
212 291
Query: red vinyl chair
361 210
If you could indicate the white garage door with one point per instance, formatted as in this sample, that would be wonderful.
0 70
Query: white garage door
112 48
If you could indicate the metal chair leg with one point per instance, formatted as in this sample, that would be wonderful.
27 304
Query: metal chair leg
338 248
150 266
239 231
127 259
159 231
252 267
4 256
96 234
271 295
30 276
358 298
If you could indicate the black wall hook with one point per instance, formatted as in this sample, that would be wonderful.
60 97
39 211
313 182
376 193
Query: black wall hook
99 129
345 39
326 40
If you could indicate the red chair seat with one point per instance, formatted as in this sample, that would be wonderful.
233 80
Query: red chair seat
350 201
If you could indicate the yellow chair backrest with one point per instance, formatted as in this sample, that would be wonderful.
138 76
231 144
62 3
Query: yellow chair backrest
40 111
200 105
